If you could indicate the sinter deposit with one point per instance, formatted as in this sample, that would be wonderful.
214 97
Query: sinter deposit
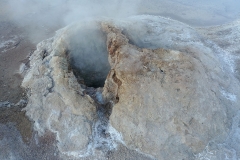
155 85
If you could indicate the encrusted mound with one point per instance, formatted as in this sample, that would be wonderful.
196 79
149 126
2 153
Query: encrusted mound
56 100
169 104
169 91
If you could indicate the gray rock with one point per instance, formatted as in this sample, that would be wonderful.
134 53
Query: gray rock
5 104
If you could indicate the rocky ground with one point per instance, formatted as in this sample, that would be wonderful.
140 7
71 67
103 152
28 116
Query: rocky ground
17 135
18 140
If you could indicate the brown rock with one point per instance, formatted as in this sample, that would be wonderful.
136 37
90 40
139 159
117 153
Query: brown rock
165 103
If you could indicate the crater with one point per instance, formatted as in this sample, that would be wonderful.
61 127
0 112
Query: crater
88 55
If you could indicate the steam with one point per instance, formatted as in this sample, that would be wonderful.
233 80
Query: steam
41 18
87 53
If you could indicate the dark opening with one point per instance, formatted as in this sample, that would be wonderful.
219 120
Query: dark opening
89 74
88 55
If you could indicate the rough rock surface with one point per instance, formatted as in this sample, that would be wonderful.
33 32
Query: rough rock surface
170 90
56 100
168 103
60 102
227 38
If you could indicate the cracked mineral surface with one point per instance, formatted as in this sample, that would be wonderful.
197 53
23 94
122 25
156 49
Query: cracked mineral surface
147 84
